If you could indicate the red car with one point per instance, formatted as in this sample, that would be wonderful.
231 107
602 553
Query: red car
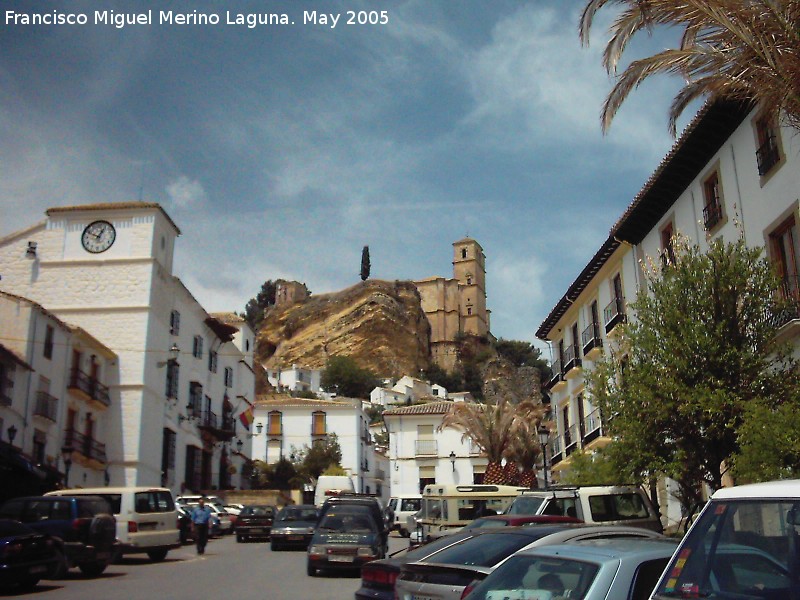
513 520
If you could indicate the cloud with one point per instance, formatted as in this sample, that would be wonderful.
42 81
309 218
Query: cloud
186 193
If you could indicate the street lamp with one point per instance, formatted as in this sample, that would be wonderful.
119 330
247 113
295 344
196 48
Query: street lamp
453 460
544 436
12 433
66 455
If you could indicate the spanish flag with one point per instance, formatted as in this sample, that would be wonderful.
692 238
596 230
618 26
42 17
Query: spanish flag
247 417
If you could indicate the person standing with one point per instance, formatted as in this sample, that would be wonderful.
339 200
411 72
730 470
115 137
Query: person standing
201 516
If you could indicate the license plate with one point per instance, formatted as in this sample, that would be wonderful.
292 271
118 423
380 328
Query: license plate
342 559
256 530
418 597
37 569
147 526
294 538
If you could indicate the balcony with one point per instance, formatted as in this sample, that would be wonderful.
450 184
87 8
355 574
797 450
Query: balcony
92 452
89 389
556 450
221 428
614 314
572 360
6 385
557 379
712 214
426 448
591 341
571 437
46 406
592 427
767 155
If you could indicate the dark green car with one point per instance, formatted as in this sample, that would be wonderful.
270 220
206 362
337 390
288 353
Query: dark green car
346 537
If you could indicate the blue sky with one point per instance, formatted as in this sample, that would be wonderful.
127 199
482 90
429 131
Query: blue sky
280 151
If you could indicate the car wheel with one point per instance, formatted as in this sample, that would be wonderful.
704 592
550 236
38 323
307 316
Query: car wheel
404 533
311 570
273 546
29 584
61 567
158 555
239 538
92 569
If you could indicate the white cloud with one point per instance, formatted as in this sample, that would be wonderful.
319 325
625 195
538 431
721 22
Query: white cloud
186 193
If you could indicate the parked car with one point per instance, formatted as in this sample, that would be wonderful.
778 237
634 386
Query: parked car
233 511
294 526
743 545
590 570
255 521
185 524
346 537
444 575
495 521
403 506
83 524
26 556
147 522
370 504
378 577
601 504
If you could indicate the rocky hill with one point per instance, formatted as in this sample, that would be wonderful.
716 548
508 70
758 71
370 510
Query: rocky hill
379 324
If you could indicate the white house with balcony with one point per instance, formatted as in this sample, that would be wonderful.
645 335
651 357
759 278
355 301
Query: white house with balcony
732 172
295 379
151 375
283 426
420 453
409 390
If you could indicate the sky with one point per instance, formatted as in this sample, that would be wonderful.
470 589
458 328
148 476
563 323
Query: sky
281 150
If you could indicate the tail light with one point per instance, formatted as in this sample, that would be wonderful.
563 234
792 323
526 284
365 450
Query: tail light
468 590
78 524
379 576
132 527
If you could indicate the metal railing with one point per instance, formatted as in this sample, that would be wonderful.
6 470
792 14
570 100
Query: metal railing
767 155
614 313
592 422
590 337
89 386
712 214
86 446
426 448
572 358
46 406
558 374
789 305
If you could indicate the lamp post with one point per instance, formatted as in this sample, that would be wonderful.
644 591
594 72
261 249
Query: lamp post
12 433
544 436
66 455
453 460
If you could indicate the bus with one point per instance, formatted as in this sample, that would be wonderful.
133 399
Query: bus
453 506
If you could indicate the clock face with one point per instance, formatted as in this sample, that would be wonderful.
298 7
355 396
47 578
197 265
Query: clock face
98 236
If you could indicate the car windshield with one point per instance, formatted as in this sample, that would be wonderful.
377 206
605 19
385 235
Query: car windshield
256 511
434 546
747 549
543 578
484 550
293 513
350 522
486 524
525 505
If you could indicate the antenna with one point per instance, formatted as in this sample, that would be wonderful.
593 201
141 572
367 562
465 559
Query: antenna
141 184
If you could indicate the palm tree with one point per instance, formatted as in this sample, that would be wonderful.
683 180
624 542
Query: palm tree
490 427
745 50
524 448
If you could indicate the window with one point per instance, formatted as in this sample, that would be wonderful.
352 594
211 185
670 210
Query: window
767 138
274 425
6 385
197 347
194 465
212 361
463 253
48 342
173 369
167 456
786 257
174 322
712 195
318 425
39 443
667 245
195 399
228 377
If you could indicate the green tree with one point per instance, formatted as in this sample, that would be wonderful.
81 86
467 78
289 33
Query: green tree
343 376
769 442
451 381
365 263
255 307
729 50
311 462
592 468
700 352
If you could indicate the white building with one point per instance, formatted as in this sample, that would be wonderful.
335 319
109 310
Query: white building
730 168
409 390
180 376
420 453
295 379
284 425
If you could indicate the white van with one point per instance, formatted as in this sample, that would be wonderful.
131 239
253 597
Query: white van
332 485
147 521
403 506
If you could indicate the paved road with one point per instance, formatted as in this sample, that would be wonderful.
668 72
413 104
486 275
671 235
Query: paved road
227 571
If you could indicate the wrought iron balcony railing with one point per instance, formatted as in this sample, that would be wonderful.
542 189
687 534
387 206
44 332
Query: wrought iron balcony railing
767 155
426 448
46 406
89 386
85 446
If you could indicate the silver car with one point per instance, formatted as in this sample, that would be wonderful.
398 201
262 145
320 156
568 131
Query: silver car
589 570
446 573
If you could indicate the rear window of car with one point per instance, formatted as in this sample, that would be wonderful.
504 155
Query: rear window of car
89 507
257 511
483 550
114 501
617 507
153 502
289 513
410 504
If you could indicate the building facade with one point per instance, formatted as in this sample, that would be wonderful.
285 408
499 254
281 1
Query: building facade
732 173
176 376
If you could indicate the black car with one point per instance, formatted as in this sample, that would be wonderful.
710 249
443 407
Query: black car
294 526
369 503
83 524
346 537
254 521
25 555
